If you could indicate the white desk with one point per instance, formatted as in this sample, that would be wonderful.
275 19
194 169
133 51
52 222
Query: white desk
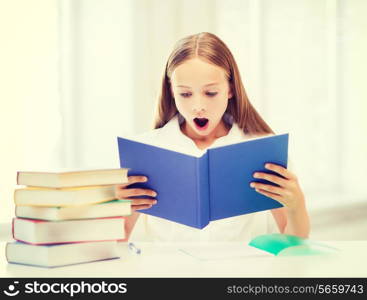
166 260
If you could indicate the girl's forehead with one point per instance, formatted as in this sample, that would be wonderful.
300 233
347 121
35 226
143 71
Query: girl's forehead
196 72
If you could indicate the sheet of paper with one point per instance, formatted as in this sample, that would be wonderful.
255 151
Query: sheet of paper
218 251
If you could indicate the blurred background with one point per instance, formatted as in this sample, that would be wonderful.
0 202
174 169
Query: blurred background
75 74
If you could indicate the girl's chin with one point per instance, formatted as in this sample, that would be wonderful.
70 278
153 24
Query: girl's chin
203 133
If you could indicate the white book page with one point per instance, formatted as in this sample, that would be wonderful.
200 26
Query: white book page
152 141
67 170
167 146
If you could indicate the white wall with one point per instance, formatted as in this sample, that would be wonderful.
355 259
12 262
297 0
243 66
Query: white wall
66 86
102 101
353 66
30 121
302 65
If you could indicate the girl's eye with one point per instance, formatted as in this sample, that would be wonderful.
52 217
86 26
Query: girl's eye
185 95
210 94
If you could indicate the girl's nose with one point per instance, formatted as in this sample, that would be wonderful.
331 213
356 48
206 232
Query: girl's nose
199 111
199 106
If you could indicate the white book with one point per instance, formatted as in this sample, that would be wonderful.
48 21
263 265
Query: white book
112 208
74 178
63 196
49 232
60 254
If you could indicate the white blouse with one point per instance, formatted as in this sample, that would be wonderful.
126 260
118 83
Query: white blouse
238 228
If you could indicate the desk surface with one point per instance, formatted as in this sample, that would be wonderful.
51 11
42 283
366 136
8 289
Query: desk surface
167 260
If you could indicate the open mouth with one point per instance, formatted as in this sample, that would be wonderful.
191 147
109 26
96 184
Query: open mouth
201 123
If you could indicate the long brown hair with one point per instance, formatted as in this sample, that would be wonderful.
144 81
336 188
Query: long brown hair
210 48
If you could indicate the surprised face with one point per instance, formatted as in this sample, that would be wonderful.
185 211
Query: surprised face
201 92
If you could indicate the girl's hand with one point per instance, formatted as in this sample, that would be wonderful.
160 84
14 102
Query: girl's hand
289 192
123 192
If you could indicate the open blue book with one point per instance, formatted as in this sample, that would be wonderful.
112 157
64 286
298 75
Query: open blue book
194 190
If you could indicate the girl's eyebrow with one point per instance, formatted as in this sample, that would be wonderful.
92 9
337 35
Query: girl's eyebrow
209 84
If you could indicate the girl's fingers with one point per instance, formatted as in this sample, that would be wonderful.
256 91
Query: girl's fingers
132 180
267 187
140 192
280 170
273 178
135 179
271 195
122 191
143 201
126 193
139 207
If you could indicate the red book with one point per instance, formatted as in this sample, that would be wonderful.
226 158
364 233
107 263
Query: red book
41 232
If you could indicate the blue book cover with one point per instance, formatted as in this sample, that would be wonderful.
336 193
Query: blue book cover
196 190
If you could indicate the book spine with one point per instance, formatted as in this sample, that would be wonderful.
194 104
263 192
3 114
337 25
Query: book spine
12 228
14 196
7 252
202 178
68 242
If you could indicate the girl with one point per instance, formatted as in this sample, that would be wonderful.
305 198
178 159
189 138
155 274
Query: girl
203 104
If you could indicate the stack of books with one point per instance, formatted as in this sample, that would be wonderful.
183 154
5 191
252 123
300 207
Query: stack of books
67 218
